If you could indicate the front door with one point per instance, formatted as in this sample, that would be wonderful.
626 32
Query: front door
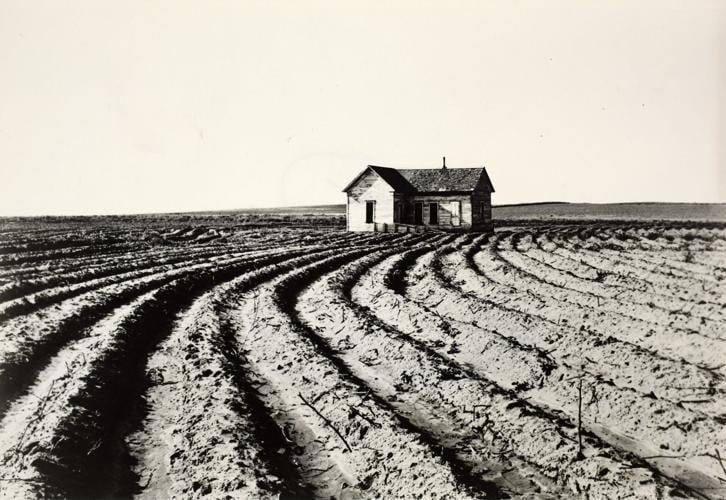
418 214
434 214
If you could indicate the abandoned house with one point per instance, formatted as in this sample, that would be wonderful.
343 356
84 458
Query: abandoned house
413 200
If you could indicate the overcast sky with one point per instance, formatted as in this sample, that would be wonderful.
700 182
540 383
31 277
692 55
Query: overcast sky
151 106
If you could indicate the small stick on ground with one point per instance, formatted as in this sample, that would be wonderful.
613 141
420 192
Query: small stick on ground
320 472
330 424
718 455
579 420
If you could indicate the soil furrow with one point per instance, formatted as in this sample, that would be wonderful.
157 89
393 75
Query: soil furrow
617 285
662 339
32 340
654 274
628 261
591 296
536 375
421 378
530 321
84 454
211 356
380 455
116 266
224 443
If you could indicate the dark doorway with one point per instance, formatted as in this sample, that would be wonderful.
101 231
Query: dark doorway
434 213
418 213
370 211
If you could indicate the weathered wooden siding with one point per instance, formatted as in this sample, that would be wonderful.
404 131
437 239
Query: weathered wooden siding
445 211
370 187
481 202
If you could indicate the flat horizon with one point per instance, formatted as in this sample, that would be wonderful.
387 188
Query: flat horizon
251 210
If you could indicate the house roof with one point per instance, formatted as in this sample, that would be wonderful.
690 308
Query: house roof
431 180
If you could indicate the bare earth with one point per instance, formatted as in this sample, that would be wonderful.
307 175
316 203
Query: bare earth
214 358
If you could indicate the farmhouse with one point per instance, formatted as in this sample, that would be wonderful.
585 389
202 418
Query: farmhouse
402 200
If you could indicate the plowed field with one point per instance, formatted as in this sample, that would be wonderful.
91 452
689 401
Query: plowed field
571 360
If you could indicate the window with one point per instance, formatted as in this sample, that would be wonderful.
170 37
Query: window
398 214
455 213
370 211
433 213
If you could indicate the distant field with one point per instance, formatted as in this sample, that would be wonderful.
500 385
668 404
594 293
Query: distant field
323 218
333 216
338 209
541 211
613 211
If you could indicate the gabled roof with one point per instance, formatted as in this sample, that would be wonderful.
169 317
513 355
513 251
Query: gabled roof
447 179
431 180
394 178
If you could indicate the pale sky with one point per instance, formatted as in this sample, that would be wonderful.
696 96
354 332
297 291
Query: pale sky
155 106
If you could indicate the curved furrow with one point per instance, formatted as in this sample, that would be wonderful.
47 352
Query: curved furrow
76 272
633 261
658 284
205 448
200 367
544 378
74 444
508 364
684 260
673 257
50 269
65 270
39 300
713 232
676 244
426 387
28 342
63 243
136 243
657 239
153 249
86 283
700 236
65 288
25 233
597 297
349 443
626 262
627 287
699 351
303 363
697 314
523 318
14 330
31 418
710 258
564 252
616 272
15 259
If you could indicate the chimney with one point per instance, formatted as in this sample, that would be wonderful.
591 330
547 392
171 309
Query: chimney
444 166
